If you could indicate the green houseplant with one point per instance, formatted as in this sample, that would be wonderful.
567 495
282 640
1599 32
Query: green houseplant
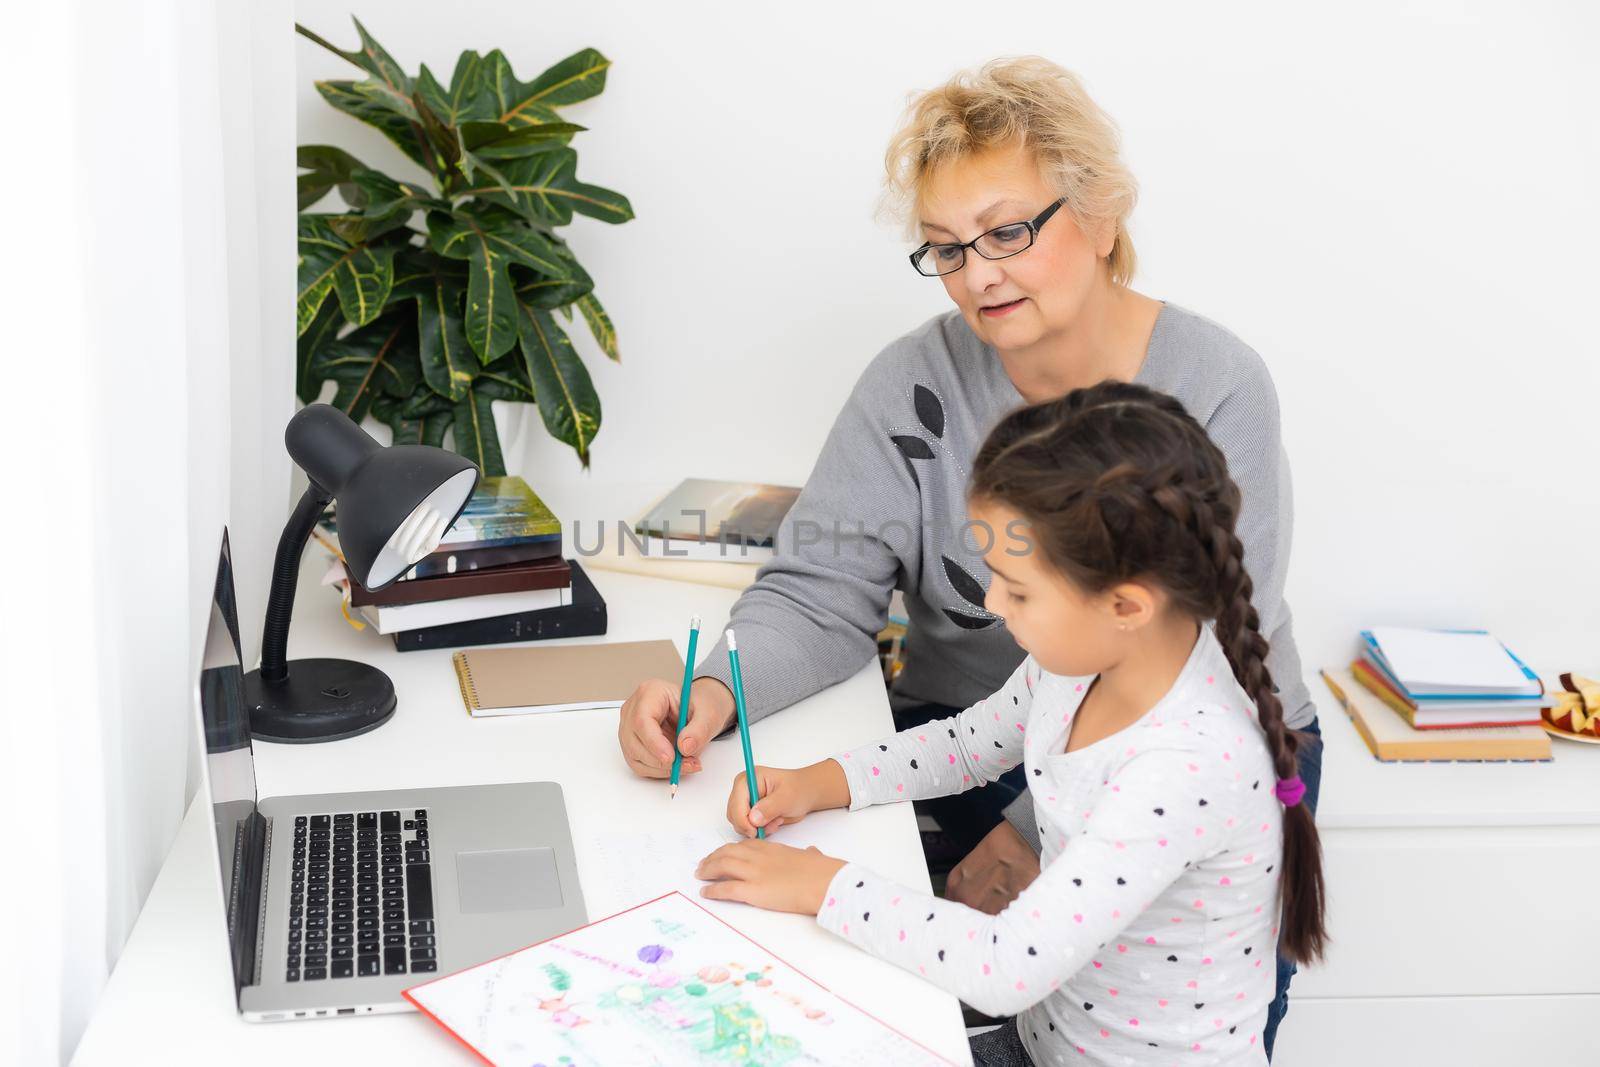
425 305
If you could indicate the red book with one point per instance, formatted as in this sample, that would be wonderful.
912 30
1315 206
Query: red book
552 573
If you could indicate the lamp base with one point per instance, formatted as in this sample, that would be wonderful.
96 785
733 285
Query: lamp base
321 700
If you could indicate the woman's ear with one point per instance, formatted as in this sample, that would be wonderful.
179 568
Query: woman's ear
1105 239
1131 605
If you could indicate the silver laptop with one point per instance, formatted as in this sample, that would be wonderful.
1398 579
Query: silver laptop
336 902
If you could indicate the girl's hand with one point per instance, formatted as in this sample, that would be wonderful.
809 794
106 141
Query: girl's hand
769 875
786 796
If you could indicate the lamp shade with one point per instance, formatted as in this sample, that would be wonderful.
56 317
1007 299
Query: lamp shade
393 503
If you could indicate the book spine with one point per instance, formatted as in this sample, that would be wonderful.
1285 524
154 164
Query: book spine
507 579
1377 688
574 620
1356 720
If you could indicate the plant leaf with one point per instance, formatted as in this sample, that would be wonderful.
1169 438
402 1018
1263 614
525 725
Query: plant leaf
384 195
443 138
497 141
371 57
506 379
550 292
361 274
366 229
425 402
328 167
363 280
375 61
324 328
605 334
399 129
545 189
578 77
367 363
447 363
476 436
568 403
422 430
467 99
489 241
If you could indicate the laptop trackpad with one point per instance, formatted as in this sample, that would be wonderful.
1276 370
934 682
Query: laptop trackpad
515 879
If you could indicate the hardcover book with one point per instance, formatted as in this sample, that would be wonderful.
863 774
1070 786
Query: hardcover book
584 615
720 513
504 522
552 573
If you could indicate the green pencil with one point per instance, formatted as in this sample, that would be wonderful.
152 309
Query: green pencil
744 725
683 701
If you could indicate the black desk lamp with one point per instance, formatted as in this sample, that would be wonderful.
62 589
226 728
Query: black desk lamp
394 505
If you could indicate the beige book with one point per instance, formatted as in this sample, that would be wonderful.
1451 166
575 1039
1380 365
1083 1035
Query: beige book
523 681
1390 737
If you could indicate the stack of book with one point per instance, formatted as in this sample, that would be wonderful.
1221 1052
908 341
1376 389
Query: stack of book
726 522
1442 695
497 575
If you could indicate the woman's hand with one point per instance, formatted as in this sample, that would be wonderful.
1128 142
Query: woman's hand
993 874
769 875
786 796
648 726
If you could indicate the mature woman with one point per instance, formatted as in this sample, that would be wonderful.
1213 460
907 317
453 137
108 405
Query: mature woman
1012 178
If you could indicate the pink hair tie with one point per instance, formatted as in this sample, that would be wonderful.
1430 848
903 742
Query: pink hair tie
1290 790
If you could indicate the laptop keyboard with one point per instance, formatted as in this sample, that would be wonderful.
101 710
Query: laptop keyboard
361 896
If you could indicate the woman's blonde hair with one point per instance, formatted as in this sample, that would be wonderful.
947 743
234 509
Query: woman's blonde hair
1023 100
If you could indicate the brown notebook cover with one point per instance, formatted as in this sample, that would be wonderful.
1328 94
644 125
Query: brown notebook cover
1391 738
521 681
553 573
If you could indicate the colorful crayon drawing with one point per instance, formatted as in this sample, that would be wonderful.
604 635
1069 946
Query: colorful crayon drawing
664 984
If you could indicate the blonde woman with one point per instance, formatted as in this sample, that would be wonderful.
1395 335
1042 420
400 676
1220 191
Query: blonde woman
1011 179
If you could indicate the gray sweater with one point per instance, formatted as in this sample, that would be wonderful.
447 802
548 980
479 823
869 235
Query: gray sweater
885 509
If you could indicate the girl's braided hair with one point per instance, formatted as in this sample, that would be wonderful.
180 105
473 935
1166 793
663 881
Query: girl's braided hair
1118 482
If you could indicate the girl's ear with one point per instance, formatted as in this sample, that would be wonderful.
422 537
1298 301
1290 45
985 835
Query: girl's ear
1131 605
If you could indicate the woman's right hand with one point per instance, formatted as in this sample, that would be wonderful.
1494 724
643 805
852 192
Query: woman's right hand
647 729
786 796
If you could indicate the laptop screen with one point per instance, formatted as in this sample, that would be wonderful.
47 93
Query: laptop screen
230 769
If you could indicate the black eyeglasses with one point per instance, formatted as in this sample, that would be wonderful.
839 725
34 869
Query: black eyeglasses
933 260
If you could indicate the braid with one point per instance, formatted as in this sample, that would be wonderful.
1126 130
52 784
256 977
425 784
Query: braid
1119 483
1304 934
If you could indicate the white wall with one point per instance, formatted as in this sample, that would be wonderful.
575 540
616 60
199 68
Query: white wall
1392 202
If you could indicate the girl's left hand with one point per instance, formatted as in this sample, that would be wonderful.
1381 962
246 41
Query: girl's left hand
769 875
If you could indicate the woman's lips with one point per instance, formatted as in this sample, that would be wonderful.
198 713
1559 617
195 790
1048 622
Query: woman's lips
1000 310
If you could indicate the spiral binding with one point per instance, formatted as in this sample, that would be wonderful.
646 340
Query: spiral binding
469 692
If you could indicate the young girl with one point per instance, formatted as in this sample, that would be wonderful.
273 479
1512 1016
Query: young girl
1177 858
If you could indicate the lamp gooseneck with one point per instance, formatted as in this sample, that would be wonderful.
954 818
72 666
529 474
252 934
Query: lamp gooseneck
285 574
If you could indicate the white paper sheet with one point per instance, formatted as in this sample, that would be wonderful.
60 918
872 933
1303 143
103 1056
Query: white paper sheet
666 983
641 866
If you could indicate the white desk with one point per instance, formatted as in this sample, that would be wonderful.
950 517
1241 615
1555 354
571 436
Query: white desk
171 995
1461 910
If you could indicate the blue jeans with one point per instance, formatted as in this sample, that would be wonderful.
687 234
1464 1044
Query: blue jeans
1311 775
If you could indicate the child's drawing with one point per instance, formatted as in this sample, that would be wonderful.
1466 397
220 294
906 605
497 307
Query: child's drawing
663 984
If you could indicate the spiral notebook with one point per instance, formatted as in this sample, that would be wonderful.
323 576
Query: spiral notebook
526 681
